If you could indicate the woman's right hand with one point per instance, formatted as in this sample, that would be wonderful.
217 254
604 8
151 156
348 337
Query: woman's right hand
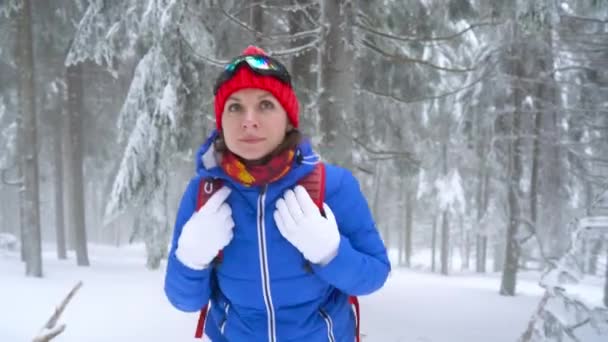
207 232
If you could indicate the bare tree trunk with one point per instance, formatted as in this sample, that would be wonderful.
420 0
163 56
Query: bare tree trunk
512 251
606 281
337 79
20 145
445 226
58 174
552 172
486 201
402 226
482 185
28 129
464 236
257 20
445 243
535 171
376 204
74 172
408 226
433 243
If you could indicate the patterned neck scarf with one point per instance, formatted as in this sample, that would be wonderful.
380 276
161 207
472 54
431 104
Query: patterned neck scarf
256 175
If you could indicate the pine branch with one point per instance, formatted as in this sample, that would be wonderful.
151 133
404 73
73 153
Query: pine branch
283 37
422 39
407 59
426 98
209 60
587 19
50 330
314 44
388 155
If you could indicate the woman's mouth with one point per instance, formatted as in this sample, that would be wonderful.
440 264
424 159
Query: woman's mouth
251 140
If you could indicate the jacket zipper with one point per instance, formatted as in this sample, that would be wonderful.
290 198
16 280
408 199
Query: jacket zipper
330 325
223 325
264 266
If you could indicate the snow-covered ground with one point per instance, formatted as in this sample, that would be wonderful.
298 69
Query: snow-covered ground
122 301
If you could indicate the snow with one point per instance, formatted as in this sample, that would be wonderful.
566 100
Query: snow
122 301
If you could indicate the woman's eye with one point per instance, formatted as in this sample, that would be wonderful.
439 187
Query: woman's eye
265 104
235 107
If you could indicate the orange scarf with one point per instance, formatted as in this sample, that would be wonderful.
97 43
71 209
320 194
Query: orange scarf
256 175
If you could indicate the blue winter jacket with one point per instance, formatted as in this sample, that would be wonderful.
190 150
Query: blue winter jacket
261 290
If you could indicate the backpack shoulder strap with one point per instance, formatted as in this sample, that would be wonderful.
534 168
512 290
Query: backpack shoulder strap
206 188
314 183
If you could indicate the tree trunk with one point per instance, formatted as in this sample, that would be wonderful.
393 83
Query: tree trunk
20 144
606 281
58 174
482 184
433 243
28 130
154 222
552 171
337 79
534 171
257 20
376 204
74 172
409 212
445 227
402 224
305 72
464 235
499 254
512 251
445 244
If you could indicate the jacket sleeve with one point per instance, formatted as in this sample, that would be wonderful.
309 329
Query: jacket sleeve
361 265
187 289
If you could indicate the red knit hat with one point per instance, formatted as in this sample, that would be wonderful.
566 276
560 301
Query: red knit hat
244 78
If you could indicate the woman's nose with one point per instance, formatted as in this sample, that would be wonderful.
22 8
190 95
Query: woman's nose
250 120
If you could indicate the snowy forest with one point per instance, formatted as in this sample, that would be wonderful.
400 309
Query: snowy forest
478 130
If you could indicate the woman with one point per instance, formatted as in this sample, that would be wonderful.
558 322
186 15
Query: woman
266 226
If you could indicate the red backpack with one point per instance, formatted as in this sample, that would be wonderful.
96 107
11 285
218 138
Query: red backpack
314 183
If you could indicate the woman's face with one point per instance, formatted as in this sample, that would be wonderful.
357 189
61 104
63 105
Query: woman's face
254 123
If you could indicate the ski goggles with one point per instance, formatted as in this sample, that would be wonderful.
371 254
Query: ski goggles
260 64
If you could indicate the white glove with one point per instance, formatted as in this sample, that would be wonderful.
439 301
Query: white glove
207 232
301 223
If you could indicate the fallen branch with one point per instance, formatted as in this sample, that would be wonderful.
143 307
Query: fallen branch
528 334
50 330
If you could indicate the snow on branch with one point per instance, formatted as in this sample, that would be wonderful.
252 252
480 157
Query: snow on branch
10 6
106 32
8 139
566 306
50 330
148 114
314 44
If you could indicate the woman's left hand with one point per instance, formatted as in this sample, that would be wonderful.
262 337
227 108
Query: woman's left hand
300 222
